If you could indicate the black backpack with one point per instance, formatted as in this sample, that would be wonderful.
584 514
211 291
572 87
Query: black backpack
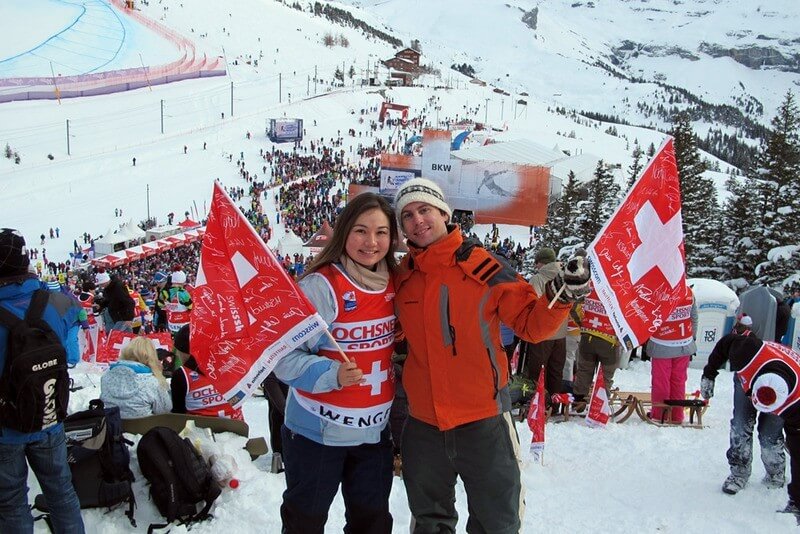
34 388
99 459
179 477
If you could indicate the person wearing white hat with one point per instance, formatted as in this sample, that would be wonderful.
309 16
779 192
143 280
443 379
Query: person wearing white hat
739 347
452 295
772 380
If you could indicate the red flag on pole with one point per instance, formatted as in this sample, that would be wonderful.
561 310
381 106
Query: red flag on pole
599 409
637 259
537 417
247 311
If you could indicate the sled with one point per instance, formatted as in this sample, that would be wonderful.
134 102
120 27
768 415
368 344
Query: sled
626 403
177 421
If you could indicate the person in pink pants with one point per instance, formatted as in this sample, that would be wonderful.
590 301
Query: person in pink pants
670 349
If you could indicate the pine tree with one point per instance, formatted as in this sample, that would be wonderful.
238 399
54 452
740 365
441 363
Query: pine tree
699 208
602 197
560 229
736 247
777 174
636 166
338 75
651 150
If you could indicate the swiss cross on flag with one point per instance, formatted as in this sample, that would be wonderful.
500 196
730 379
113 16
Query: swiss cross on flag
637 259
247 311
599 409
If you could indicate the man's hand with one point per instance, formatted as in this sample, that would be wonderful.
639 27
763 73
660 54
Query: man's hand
572 284
349 374
706 388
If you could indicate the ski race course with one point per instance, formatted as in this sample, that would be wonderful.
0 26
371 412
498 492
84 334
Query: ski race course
93 47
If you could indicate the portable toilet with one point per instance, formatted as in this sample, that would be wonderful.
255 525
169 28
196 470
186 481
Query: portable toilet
716 315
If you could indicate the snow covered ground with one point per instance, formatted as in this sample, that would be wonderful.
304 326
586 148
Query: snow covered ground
627 478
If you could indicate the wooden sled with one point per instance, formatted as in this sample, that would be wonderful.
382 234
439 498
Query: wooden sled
177 421
626 403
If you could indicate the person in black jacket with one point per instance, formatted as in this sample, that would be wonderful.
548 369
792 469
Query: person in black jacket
118 304
738 347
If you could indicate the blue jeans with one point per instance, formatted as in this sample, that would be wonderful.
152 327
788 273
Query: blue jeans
48 459
770 437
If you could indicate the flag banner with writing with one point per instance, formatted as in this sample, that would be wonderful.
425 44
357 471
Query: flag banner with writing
637 259
109 348
599 409
537 416
248 312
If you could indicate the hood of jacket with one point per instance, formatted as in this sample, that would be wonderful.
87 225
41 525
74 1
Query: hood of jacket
122 379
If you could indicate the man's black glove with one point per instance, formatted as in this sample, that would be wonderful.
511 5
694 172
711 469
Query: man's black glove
706 387
574 279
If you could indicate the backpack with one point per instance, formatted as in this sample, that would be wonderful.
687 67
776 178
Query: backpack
179 477
98 458
34 388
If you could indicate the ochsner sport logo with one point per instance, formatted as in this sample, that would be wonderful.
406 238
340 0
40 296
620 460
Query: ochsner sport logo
363 335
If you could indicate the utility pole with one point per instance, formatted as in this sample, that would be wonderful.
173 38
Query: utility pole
315 79
486 113
162 115
279 88
231 99
502 106
148 203
308 85
68 152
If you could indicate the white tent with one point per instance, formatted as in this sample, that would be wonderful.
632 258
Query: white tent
110 242
289 244
716 310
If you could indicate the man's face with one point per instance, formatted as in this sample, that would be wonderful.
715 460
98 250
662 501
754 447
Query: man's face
423 224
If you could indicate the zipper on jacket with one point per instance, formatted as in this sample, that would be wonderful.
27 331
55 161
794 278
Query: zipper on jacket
495 376
448 330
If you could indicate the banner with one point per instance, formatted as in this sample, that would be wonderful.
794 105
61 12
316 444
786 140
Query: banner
247 311
537 416
496 192
637 259
109 348
599 409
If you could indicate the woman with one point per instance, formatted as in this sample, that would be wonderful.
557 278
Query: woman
135 383
335 431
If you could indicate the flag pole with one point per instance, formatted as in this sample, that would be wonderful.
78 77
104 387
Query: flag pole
558 294
335 344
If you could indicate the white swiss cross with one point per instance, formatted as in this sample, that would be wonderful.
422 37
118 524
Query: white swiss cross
119 346
595 322
659 248
375 378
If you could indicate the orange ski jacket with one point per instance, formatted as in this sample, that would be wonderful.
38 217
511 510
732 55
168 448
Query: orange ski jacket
451 298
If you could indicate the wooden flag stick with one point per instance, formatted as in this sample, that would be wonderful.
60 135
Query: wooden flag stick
558 294
335 344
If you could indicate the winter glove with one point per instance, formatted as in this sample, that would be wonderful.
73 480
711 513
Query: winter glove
574 279
706 388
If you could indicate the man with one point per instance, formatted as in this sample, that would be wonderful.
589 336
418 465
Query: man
598 345
769 377
45 450
552 352
452 296
738 347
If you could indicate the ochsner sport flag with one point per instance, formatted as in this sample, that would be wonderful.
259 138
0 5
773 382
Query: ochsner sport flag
247 311
537 417
637 259
599 409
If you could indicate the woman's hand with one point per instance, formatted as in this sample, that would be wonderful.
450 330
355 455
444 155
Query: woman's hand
349 374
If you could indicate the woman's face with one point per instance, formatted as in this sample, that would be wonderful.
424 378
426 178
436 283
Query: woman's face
423 224
369 238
